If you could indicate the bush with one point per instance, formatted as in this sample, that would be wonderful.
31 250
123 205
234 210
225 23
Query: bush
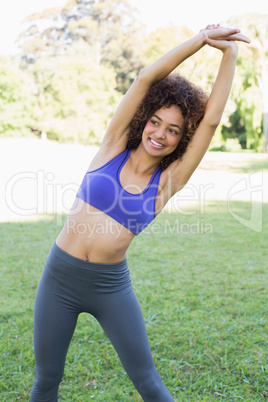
218 147
232 145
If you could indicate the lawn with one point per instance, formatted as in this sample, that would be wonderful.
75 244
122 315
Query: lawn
202 281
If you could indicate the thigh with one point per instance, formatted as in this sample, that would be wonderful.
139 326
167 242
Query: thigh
123 322
54 324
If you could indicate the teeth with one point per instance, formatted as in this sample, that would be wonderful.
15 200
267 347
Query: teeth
156 143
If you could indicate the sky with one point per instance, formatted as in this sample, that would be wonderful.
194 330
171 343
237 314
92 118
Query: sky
194 14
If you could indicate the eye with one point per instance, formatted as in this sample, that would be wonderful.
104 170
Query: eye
154 122
173 131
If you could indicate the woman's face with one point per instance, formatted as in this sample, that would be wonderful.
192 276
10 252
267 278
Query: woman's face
163 131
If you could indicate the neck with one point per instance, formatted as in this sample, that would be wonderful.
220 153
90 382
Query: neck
142 162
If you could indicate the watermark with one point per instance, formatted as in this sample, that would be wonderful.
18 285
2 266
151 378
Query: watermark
192 194
109 227
89 229
251 187
178 227
32 193
41 193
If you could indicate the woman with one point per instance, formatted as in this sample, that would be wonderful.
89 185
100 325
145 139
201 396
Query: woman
143 160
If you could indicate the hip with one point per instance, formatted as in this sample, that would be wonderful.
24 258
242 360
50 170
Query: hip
72 273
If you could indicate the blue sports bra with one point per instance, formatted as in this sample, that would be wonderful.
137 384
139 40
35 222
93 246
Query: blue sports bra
102 189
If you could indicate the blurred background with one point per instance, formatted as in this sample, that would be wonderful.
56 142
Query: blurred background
65 65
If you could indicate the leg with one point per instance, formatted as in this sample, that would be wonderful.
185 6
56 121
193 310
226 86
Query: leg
122 320
54 324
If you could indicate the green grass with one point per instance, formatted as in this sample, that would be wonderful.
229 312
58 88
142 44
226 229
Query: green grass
236 162
204 299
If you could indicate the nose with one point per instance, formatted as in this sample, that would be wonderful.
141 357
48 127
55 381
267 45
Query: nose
160 133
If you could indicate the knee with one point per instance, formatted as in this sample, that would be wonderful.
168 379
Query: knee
45 386
149 385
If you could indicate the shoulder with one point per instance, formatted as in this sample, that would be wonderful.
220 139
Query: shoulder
108 150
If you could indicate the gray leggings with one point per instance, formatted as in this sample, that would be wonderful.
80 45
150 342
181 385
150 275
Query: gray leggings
70 286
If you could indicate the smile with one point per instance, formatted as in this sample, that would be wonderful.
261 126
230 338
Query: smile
156 144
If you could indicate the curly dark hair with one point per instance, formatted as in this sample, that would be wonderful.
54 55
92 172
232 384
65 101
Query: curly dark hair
172 90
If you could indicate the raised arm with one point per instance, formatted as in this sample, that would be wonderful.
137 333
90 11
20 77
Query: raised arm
182 170
118 127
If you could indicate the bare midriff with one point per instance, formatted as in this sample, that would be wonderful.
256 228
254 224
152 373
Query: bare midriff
89 234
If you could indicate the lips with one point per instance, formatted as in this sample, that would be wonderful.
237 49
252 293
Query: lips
156 144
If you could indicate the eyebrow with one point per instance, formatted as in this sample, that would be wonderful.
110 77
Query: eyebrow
159 118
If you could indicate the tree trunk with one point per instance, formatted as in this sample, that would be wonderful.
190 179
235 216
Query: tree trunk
98 53
264 90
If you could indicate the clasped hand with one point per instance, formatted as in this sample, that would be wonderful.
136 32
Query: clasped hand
221 37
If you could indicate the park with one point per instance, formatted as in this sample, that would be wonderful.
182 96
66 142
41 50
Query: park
199 269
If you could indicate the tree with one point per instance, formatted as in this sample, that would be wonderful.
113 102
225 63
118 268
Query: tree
108 27
78 55
201 68
245 121
17 104
76 98
256 26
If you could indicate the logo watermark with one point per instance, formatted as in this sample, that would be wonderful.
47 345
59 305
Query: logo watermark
31 193
251 186
44 195
110 227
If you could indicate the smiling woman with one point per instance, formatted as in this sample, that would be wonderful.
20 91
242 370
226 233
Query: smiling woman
160 133
181 101
155 140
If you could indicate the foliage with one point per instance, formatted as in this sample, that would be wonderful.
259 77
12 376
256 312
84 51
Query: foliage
206 60
76 97
78 60
17 104
255 64
245 122
108 27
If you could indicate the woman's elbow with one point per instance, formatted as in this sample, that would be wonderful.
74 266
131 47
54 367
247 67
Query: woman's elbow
212 120
144 77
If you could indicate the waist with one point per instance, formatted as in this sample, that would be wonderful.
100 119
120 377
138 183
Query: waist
70 259
75 277
91 235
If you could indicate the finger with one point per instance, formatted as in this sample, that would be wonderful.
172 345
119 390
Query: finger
212 26
207 40
222 33
239 37
211 42
231 31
